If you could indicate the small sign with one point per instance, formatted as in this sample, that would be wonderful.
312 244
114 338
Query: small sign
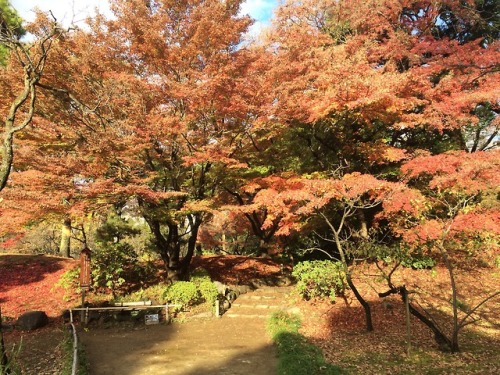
152 319
85 268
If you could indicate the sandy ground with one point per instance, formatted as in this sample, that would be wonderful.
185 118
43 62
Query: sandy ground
221 346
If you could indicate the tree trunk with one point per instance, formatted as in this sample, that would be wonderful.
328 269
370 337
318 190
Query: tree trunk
263 250
454 301
359 297
363 225
169 247
362 301
7 156
65 246
443 342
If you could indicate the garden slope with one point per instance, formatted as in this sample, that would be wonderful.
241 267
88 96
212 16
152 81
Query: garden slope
28 282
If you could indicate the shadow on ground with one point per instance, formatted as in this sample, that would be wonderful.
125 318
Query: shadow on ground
217 346
17 270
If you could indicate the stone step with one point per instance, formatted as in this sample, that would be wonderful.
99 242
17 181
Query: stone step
245 316
273 290
255 297
256 306
260 303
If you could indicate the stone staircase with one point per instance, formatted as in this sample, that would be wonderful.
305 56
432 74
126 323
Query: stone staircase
261 303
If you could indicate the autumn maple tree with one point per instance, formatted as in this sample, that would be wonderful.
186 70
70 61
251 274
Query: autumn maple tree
166 114
20 79
456 216
347 122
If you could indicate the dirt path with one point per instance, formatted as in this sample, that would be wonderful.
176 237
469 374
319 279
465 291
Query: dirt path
223 346
235 344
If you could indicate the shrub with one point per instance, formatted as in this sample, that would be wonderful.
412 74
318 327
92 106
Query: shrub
206 288
208 291
418 262
182 292
69 281
114 261
109 265
155 293
320 279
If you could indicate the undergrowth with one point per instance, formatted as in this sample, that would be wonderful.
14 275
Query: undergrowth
67 354
296 356
12 366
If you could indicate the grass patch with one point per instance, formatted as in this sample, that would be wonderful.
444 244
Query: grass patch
296 356
67 353
12 361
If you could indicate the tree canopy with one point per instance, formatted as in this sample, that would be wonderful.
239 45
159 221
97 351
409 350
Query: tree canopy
386 108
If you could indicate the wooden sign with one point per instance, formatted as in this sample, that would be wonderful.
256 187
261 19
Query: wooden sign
85 268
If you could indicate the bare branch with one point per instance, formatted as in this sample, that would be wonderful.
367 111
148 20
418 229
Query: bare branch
462 322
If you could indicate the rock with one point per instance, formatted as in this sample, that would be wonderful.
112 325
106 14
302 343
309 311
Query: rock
241 289
32 320
221 288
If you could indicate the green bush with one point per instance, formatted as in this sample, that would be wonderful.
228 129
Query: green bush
320 279
206 288
208 291
186 293
155 293
109 265
418 262
114 261
70 282
182 292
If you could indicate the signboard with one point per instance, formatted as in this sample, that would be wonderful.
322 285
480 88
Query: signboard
152 319
85 268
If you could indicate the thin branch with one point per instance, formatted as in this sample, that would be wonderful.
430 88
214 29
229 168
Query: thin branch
472 311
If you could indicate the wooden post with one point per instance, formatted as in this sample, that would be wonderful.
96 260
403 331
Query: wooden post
408 332
84 278
217 308
83 305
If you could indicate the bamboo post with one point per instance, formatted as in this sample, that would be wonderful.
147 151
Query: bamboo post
82 313
408 331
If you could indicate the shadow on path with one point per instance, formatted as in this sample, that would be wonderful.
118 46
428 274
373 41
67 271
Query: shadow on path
219 346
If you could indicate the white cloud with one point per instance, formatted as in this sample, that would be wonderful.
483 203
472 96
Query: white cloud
66 11
75 11
261 11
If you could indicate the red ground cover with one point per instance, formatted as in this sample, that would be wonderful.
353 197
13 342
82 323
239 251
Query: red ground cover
28 283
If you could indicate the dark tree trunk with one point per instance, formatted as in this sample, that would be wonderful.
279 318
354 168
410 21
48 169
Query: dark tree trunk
170 246
444 343
343 257
362 301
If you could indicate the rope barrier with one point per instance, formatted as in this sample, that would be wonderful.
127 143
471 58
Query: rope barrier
74 367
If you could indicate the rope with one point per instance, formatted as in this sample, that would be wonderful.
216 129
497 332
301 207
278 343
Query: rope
75 345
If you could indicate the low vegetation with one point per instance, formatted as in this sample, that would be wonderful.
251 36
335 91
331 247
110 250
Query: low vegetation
320 279
296 355
67 349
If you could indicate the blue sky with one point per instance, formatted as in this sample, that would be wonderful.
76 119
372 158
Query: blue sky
260 10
